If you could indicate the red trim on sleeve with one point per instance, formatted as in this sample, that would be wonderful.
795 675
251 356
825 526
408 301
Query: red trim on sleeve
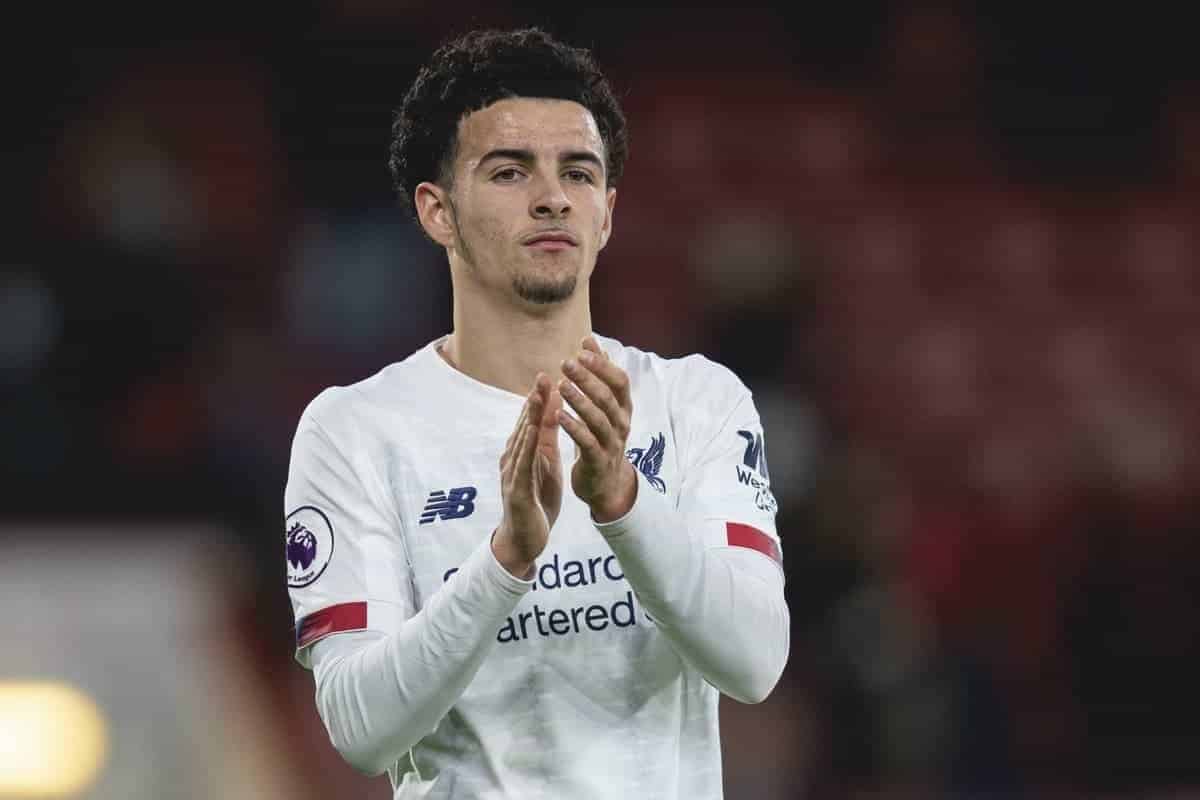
739 535
335 619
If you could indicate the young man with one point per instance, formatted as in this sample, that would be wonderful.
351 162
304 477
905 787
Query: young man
476 629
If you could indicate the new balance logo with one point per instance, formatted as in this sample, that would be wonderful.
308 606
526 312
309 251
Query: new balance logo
458 503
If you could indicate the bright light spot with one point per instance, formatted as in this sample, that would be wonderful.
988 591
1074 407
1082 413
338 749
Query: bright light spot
53 740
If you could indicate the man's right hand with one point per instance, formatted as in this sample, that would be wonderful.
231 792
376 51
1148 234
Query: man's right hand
531 481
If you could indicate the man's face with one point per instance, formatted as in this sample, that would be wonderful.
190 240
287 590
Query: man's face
529 203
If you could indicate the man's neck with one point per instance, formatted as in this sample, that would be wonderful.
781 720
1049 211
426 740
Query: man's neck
506 346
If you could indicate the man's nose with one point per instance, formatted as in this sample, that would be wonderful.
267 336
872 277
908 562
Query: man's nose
551 200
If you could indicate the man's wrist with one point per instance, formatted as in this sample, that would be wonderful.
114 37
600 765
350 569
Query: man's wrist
610 509
516 566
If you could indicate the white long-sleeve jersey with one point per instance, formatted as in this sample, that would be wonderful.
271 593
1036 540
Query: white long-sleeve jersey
597 678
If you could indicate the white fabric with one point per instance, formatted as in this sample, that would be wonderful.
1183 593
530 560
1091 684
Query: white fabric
596 678
721 607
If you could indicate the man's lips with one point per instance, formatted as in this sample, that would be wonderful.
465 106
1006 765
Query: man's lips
550 245
551 240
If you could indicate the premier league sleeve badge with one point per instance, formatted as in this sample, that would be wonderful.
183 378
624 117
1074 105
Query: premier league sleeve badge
309 545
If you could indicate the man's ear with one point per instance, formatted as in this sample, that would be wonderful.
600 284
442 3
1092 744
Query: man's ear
432 203
606 228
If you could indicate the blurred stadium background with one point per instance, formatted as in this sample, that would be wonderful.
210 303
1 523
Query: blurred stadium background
953 249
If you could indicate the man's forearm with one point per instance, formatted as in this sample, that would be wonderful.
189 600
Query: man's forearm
722 609
379 694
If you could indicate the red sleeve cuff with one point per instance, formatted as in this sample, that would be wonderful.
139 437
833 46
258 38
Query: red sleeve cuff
335 619
739 535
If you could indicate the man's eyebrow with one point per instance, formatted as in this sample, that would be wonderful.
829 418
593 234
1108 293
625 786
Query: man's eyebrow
527 156
583 155
524 156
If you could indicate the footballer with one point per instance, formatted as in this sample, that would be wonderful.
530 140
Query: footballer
526 560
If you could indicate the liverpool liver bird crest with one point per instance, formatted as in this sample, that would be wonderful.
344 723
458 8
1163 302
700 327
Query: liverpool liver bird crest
648 460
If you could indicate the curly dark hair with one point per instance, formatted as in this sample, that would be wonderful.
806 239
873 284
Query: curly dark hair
475 70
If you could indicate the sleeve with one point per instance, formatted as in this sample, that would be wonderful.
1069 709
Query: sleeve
726 489
709 572
394 672
346 566
380 694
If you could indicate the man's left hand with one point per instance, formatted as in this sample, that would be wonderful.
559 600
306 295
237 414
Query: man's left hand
598 391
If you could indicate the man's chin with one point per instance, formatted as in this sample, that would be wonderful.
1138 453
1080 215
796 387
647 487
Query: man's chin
544 292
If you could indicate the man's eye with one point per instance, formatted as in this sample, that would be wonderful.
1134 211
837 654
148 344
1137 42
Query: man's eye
507 175
579 175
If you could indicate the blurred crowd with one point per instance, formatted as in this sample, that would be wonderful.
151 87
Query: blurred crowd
955 256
